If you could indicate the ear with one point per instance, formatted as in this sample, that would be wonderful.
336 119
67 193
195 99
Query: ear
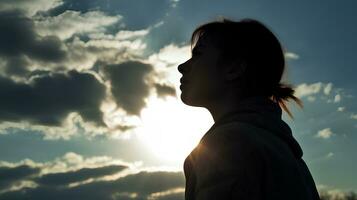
235 70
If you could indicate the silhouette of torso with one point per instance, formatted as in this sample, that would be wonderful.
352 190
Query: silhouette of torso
249 153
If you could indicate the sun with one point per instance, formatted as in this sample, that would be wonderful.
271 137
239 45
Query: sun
171 129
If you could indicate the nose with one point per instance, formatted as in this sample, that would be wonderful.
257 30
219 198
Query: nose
182 68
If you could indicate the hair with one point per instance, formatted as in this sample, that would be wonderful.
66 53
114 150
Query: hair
252 42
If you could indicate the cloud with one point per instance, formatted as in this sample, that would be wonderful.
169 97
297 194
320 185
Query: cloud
126 8
329 155
139 186
48 45
29 7
170 55
30 44
49 99
126 34
176 193
164 90
326 91
72 125
35 43
65 178
9 175
70 168
341 109
54 180
72 162
328 88
18 37
166 61
16 65
332 193
88 55
291 56
71 22
33 49
353 116
337 98
129 84
324 133
304 89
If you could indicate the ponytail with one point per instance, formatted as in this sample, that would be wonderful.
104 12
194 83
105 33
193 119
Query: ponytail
282 93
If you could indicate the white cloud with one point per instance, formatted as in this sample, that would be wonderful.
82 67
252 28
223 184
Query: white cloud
18 186
166 193
137 45
329 155
170 55
69 162
305 89
50 133
328 88
337 98
324 133
166 61
323 90
127 35
332 193
291 56
353 116
72 173
72 22
29 7
81 56
69 128
341 109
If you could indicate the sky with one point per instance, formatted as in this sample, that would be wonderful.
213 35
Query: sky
89 93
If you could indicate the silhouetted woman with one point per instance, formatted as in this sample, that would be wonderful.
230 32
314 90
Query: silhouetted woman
249 153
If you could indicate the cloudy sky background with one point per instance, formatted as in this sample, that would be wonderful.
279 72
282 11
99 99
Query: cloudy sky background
89 97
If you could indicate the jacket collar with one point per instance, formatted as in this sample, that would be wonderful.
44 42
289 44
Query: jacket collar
264 113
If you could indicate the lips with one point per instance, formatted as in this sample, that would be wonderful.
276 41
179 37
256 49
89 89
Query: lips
182 86
183 81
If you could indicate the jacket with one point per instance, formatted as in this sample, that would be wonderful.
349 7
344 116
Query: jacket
249 153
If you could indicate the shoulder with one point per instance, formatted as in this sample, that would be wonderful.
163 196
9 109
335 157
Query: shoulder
227 153
232 144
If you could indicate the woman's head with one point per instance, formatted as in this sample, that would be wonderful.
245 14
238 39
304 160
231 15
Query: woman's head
242 58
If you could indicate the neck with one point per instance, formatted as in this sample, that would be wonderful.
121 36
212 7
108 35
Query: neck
226 105
223 105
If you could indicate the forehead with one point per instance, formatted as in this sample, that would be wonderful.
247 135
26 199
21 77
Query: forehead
205 41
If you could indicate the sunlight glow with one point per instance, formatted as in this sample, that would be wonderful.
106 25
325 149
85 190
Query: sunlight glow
172 129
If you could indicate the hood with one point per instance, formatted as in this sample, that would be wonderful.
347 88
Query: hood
264 113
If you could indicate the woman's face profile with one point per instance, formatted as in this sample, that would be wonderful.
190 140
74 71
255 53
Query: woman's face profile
201 80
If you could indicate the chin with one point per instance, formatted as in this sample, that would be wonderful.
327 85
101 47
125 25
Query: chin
189 101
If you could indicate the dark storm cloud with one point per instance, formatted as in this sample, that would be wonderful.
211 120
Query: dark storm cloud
142 184
8 175
48 99
18 37
128 84
164 90
16 65
174 196
137 15
79 175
